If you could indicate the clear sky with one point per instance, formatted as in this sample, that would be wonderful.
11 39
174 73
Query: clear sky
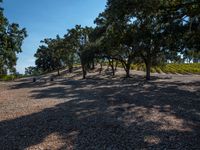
46 19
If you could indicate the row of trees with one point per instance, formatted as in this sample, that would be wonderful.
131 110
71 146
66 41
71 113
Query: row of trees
11 38
128 31
55 54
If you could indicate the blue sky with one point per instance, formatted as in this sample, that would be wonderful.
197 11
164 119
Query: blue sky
46 19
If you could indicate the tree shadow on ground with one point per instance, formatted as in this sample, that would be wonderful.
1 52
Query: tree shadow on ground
90 79
110 114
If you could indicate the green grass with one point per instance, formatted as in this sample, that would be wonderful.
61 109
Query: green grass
171 68
193 68
7 77
11 77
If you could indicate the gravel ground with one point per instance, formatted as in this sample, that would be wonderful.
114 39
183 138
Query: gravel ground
101 113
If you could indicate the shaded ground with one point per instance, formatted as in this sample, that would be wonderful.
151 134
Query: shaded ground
98 114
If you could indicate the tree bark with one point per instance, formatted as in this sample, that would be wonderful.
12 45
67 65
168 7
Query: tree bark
111 64
116 65
101 67
113 68
148 70
147 61
127 70
93 65
84 72
70 69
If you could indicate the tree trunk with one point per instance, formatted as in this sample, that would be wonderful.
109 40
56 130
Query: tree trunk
93 65
101 68
147 61
116 65
111 64
148 70
127 70
70 69
84 73
113 68
83 66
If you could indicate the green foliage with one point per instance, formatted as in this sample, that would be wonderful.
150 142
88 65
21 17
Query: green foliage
12 77
7 77
11 38
155 30
32 71
50 55
140 35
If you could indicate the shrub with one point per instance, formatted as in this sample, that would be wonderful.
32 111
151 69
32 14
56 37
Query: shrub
7 77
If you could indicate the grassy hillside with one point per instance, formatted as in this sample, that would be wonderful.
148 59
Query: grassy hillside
11 77
171 68
7 77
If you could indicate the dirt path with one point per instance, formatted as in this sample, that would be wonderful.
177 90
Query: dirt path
101 113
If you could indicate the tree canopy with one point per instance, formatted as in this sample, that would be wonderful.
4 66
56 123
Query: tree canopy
129 31
11 38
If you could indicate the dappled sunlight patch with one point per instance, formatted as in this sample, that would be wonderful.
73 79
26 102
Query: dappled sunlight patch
71 95
54 141
81 114
86 101
152 140
162 117
114 86
189 88
172 122
70 140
